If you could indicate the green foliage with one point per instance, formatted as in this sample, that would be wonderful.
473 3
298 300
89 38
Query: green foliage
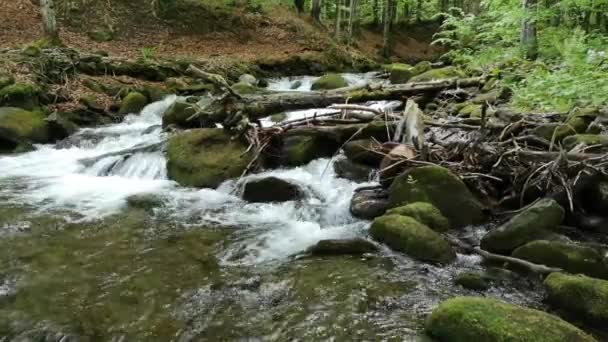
148 53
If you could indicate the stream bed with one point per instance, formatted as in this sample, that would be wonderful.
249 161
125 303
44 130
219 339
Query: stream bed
112 250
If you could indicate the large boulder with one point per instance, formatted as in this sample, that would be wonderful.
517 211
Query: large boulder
534 223
466 319
368 204
205 157
133 103
424 213
355 246
329 81
405 234
20 128
440 187
438 74
299 150
271 189
364 151
567 256
579 297
20 95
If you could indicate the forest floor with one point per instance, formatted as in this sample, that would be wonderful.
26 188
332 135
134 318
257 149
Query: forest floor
222 33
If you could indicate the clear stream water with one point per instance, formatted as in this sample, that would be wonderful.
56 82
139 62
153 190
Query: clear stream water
77 262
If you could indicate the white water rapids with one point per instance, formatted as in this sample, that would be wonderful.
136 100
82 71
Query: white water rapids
55 180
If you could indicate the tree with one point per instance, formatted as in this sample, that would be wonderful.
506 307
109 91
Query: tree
315 11
389 7
49 21
299 6
529 41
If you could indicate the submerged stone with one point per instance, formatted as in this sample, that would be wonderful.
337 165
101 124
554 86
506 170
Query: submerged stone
328 82
567 256
534 223
271 189
405 234
466 319
145 201
205 157
440 187
354 246
478 281
133 103
579 297
424 213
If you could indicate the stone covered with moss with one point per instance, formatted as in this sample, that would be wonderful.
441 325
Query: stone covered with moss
299 150
567 256
244 88
178 114
205 157
470 110
405 234
478 281
575 123
20 95
534 223
133 103
424 213
579 297
438 74
466 319
399 72
363 151
20 128
329 81
440 187
598 140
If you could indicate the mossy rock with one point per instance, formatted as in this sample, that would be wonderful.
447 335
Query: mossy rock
300 150
101 36
271 189
598 140
405 234
178 114
363 151
465 319
355 246
567 256
20 95
344 168
424 213
575 123
422 67
205 157
438 74
534 223
6 80
478 281
133 103
20 128
440 187
579 297
329 81
246 88
147 202
470 111
90 102
399 72
154 92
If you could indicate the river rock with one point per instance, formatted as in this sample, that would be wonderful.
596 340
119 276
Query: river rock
363 151
579 297
534 223
20 95
248 79
368 204
405 234
478 281
438 74
567 256
146 202
299 150
178 114
345 168
133 103
20 128
424 213
205 157
354 246
465 319
440 187
271 189
329 81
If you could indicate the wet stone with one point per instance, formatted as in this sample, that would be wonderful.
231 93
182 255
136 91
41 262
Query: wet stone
271 189
369 204
354 246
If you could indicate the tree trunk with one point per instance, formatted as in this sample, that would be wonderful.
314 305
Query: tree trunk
375 11
352 19
338 19
49 21
315 11
529 42
387 50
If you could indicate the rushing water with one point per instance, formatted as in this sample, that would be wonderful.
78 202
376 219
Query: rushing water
203 264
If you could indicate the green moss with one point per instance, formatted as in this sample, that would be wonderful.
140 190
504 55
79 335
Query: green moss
90 101
569 257
470 111
422 67
438 186
278 117
424 213
6 80
579 297
478 281
399 73
586 140
534 223
178 114
438 74
101 36
329 81
299 150
133 103
465 319
407 235
246 88
24 125
20 95
363 151
205 157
